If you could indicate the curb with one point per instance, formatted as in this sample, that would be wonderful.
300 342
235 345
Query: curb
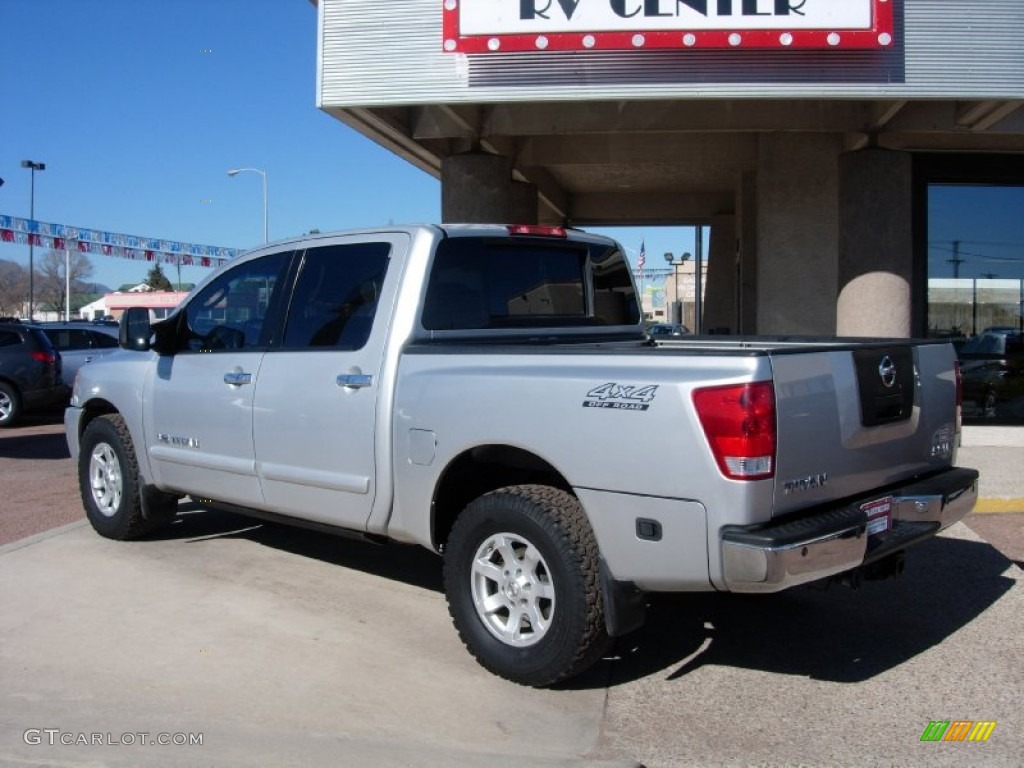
35 538
999 506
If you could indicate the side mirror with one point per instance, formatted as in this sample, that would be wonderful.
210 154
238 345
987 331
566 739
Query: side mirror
135 331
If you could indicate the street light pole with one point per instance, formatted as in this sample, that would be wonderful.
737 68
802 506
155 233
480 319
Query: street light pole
669 259
698 298
235 172
67 284
33 167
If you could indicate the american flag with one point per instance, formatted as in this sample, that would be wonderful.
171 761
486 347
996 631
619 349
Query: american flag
642 259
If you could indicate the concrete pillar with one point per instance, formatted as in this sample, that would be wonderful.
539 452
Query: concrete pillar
797 233
523 203
875 244
746 236
720 295
477 188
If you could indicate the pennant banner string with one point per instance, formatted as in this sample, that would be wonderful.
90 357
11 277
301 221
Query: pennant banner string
17 230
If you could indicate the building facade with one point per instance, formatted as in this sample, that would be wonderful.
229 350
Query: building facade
810 161
112 305
818 139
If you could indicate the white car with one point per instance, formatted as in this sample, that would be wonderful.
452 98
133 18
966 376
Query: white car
80 343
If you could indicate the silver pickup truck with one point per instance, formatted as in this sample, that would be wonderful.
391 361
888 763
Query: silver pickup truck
489 392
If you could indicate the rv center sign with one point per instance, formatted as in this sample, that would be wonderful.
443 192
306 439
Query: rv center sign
493 26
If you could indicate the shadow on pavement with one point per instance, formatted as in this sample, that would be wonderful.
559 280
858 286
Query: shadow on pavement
835 634
15 445
410 564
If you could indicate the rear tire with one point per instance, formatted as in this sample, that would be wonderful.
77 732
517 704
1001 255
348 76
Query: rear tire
10 404
522 580
108 478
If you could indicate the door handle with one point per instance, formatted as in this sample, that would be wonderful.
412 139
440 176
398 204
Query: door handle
237 378
354 380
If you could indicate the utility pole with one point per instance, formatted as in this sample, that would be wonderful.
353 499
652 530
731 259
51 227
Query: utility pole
956 261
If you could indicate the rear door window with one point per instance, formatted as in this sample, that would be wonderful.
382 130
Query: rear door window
66 339
103 341
336 296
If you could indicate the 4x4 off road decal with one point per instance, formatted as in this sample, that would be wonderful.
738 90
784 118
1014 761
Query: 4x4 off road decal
622 397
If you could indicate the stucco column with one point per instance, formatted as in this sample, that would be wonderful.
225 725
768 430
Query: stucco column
723 268
875 244
476 187
797 232
746 237
523 203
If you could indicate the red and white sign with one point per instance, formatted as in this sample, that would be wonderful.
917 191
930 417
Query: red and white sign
494 26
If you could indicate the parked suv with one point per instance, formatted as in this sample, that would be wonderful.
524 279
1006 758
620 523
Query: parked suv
992 365
30 371
80 342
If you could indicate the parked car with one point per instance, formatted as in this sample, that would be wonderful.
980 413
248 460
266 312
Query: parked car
664 330
80 342
30 372
992 367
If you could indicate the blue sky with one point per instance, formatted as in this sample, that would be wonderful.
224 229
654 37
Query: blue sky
138 109
988 222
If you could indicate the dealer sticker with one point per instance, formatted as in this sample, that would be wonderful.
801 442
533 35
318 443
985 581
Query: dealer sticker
879 514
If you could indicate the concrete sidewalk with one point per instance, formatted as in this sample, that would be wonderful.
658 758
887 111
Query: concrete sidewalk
340 655
998 453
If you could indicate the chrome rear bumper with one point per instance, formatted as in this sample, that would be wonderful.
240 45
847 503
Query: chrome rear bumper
829 541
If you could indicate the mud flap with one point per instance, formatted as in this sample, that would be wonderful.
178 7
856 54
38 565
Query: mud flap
625 606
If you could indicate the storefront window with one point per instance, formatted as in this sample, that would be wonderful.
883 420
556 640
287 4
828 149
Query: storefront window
976 293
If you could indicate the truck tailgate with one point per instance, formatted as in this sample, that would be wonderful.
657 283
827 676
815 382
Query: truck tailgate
856 419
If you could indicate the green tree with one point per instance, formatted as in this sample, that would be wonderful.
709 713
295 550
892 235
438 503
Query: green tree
157 280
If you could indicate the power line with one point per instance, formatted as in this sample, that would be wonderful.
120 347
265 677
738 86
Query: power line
1001 244
981 256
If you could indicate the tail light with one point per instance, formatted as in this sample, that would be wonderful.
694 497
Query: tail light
739 424
537 230
46 358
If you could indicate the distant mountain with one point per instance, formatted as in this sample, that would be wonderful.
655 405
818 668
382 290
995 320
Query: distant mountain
91 287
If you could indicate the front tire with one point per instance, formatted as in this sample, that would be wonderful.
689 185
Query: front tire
522 580
108 478
10 404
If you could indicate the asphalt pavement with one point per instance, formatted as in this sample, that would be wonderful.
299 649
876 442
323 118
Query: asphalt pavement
278 646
